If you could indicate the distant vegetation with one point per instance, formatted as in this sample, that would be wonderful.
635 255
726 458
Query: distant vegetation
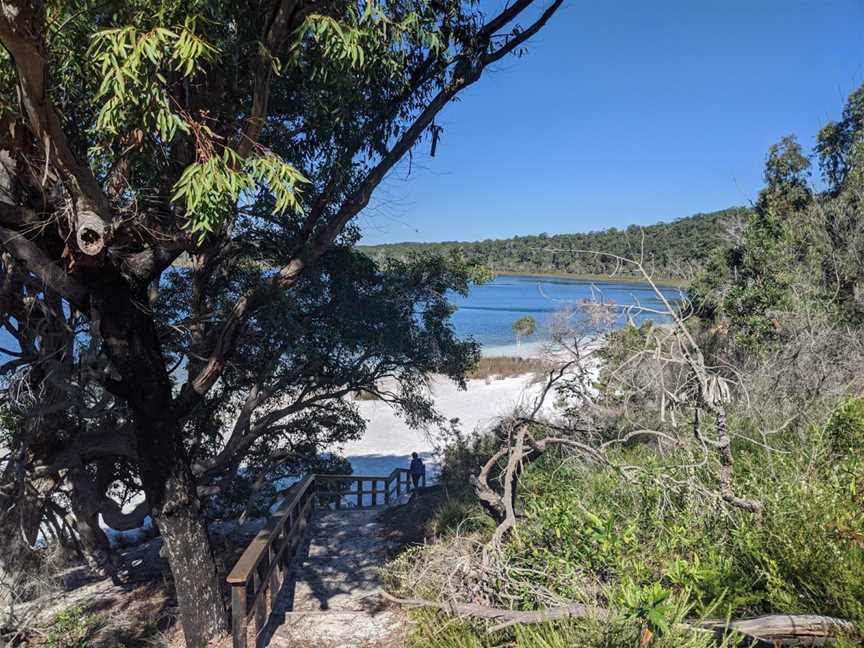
671 250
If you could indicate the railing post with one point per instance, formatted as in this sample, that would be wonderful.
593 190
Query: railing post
267 561
289 538
260 604
274 584
238 615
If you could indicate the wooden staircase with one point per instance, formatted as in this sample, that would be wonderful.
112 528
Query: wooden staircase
310 577
332 598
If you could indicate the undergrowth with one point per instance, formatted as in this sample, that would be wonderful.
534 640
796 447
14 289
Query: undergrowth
71 628
434 630
654 554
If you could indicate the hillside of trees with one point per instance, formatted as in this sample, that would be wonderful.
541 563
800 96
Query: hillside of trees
675 249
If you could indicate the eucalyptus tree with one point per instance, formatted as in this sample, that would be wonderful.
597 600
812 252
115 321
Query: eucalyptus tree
245 136
801 247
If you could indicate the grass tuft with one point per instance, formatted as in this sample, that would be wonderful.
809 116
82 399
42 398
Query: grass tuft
506 366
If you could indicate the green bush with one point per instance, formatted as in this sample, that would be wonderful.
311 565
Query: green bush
463 458
845 428
71 628
462 515
640 545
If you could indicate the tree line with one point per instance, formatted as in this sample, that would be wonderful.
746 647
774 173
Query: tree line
676 249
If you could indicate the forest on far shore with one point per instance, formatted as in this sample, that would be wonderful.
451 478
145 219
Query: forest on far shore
670 250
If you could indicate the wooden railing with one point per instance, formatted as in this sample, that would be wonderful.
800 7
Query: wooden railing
266 563
350 491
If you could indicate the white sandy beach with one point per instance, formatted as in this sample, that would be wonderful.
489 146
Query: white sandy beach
389 442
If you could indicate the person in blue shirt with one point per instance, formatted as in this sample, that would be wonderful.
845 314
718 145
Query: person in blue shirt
418 469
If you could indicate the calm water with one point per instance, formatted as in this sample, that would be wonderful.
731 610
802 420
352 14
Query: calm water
488 312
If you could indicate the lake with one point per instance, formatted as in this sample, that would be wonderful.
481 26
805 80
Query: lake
488 312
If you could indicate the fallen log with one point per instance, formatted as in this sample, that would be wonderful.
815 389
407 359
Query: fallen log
507 618
775 630
786 629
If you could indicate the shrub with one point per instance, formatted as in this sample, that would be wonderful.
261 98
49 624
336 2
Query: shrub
460 514
504 366
845 428
651 544
71 628
464 457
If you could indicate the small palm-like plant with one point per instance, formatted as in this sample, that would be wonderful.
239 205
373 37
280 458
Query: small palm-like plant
648 605
524 326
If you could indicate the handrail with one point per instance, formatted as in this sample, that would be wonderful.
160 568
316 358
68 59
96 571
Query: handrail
253 578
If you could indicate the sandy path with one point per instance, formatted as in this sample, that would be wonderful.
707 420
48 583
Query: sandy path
333 599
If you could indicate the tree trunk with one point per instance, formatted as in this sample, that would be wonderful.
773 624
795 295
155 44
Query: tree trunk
97 549
171 492
193 565
17 555
84 501
169 486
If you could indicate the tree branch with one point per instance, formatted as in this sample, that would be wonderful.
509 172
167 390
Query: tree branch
225 340
519 38
37 262
284 17
22 33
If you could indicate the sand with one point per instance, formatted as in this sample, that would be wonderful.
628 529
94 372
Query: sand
389 442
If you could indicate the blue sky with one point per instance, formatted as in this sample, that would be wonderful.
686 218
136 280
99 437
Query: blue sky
627 112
